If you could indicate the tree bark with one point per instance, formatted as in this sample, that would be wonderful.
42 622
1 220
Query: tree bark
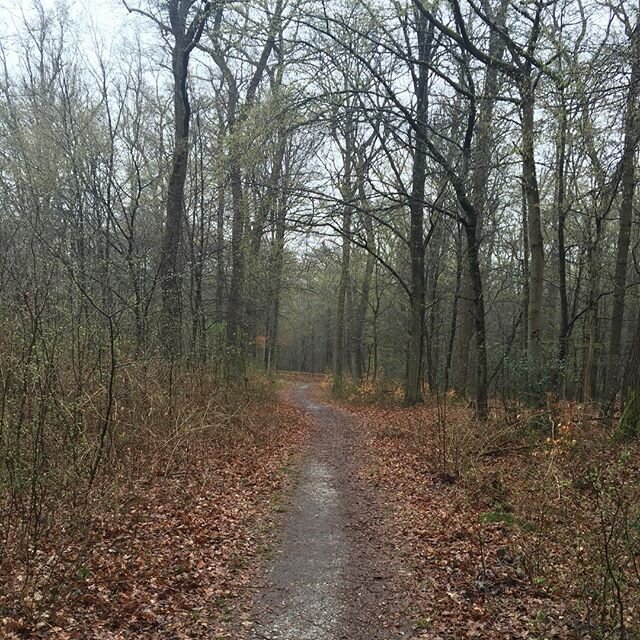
460 267
413 386
525 272
613 378
360 311
536 246
221 275
339 354
279 206
186 35
480 172
589 374
237 114
236 284
360 314
561 213
171 322
482 403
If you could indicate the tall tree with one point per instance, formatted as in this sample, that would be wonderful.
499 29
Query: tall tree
184 22
238 110
480 170
627 183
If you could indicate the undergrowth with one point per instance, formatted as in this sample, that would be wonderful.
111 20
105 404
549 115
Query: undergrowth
557 487
170 433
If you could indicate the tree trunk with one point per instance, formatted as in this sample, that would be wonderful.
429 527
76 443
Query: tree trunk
237 115
198 241
413 386
482 405
413 389
236 285
626 214
280 207
480 172
221 275
339 353
536 246
360 312
561 213
186 36
525 272
460 267
589 375
431 344
170 321
463 331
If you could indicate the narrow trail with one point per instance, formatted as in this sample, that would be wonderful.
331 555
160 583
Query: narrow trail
333 575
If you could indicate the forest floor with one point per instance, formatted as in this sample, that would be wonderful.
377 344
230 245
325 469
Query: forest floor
171 547
421 523
347 521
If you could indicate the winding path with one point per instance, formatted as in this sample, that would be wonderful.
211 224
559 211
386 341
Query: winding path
334 576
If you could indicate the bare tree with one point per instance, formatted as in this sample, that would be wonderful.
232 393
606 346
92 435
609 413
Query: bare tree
183 22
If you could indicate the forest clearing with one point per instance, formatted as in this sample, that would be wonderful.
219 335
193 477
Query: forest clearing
320 319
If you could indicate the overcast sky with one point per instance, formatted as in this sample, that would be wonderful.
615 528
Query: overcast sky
106 18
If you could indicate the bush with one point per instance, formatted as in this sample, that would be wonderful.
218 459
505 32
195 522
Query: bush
629 425
521 381
61 459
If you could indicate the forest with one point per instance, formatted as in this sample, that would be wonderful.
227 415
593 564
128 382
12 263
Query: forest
217 216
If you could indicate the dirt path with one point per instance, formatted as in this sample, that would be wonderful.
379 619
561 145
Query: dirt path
333 576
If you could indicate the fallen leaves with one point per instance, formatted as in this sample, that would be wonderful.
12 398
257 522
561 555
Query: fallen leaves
469 537
175 554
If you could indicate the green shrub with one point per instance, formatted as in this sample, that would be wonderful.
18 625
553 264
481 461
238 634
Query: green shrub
629 425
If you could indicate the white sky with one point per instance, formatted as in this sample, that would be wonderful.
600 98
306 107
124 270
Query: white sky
104 21
107 16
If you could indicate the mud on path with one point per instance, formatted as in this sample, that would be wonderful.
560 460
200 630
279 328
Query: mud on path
333 575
